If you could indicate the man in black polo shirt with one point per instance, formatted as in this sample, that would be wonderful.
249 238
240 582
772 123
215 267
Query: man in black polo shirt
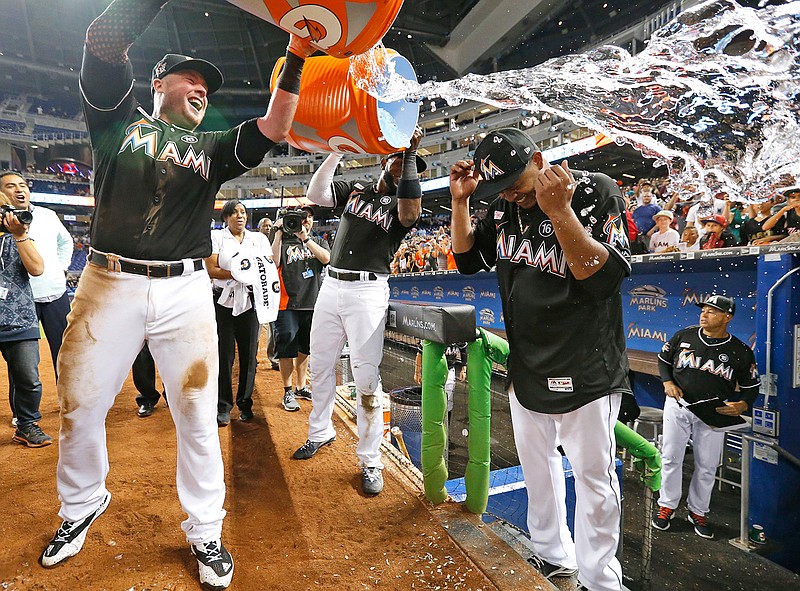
155 183
354 298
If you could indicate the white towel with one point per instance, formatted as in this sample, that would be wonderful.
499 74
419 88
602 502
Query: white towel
259 272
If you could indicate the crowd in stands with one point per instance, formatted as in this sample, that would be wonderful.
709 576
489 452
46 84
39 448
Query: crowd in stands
658 221
424 249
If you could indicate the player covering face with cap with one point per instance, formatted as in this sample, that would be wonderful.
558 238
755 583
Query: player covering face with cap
558 240
155 184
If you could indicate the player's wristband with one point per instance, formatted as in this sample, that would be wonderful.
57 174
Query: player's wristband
305 241
409 165
409 189
290 76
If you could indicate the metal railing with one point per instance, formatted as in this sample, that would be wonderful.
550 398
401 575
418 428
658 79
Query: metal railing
747 438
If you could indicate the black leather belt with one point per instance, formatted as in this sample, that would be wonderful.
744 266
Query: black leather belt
351 276
176 269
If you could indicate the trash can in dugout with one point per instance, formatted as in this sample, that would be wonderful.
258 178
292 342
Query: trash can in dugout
406 414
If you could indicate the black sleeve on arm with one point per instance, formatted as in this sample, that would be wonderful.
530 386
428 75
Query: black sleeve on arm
106 73
252 145
607 280
665 358
665 371
104 85
483 254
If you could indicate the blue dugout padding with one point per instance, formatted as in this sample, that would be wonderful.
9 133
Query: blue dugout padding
658 299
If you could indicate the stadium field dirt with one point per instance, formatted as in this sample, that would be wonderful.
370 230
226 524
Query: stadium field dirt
291 525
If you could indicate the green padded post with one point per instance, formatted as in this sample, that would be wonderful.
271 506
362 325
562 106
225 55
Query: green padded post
648 459
434 407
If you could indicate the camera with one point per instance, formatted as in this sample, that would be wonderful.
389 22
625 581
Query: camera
292 220
23 215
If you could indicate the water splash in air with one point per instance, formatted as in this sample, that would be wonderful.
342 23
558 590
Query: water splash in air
712 97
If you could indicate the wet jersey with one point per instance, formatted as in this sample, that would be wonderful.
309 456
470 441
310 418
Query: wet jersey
369 231
567 344
704 367
154 182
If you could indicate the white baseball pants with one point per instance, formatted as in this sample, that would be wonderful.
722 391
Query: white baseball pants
112 315
679 425
587 436
352 311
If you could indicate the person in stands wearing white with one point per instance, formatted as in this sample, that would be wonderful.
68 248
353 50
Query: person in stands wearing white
664 239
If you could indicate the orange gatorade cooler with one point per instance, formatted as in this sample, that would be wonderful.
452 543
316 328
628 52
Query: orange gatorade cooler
340 28
335 115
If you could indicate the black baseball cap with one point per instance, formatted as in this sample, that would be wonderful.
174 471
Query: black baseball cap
422 166
500 159
174 62
720 302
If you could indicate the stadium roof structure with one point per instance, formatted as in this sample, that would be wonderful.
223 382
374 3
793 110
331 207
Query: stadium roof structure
41 41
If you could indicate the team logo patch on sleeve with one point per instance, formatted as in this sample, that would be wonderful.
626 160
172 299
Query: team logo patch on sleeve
615 232
560 384
498 215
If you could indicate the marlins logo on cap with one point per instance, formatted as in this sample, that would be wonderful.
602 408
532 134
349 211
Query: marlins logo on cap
174 62
500 159
720 302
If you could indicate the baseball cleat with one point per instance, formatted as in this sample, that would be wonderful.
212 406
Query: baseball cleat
550 570
246 415
223 419
371 480
665 515
70 537
701 527
215 564
309 448
289 402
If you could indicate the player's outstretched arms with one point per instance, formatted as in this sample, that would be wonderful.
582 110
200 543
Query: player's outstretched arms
112 33
277 121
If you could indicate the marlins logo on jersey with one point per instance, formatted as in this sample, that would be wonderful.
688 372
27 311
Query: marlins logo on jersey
143 135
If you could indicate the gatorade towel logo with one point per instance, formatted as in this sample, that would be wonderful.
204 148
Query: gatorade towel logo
244 264
489 169
314 21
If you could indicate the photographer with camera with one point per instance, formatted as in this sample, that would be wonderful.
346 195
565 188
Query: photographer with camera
54 244
19 326
301 258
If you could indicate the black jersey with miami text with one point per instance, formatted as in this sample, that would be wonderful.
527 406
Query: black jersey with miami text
567 344
369 230
300 273
155 183
704 367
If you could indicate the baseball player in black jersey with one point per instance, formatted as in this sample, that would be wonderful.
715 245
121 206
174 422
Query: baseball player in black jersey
700 363
352 303
155 182
559 243
301 259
